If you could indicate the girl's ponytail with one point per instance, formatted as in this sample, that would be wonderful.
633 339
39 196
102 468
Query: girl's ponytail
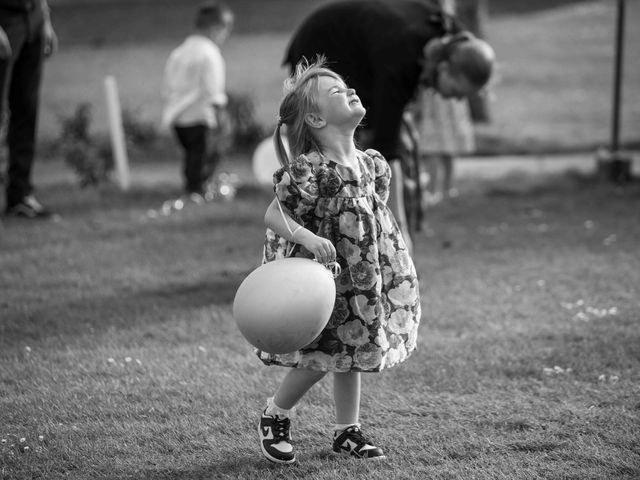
281 151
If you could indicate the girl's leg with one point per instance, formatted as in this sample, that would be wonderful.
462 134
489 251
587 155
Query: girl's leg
346 393
447 175
347 437
294 385
275 423
432 167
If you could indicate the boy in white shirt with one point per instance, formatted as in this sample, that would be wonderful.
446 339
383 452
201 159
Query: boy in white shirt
194 91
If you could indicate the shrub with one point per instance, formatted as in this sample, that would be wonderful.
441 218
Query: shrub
91 157
91 160
138 133
246 132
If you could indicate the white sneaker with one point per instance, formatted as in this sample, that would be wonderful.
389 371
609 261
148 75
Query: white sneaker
275 438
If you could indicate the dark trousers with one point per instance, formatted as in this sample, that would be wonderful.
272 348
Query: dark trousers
20 78
200 156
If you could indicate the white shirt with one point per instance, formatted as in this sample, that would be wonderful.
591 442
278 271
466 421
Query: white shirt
194 82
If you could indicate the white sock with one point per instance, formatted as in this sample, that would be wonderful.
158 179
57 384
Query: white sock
338 428
272 409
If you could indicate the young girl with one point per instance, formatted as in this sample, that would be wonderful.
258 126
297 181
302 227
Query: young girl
444 132
443 125
330 205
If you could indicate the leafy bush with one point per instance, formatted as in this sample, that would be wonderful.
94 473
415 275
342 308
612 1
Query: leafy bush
138 133
246 132
90 159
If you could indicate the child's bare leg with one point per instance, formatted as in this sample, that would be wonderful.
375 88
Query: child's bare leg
447 176
294 385
347 437
432 167
275 423
346 393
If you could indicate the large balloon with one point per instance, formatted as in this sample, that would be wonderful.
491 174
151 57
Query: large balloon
265 161
283 305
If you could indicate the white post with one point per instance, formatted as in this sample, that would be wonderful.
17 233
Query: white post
117 133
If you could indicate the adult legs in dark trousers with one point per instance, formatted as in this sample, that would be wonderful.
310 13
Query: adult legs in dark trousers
199 158
20 78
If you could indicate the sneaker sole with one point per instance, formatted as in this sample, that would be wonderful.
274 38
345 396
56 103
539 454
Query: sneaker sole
269 457
28 214
348 454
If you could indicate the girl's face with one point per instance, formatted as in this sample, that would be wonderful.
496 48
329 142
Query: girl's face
338 104
453 85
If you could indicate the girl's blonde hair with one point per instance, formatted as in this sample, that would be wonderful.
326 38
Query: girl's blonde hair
300 98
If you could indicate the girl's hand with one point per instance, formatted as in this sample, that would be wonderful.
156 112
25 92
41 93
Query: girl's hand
322 249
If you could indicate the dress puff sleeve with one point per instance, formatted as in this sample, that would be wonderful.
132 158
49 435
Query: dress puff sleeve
382 175
295 187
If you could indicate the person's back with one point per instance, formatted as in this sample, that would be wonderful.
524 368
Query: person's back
193 80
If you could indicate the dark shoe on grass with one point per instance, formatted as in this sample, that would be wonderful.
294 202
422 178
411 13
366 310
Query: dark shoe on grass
352 442
28 207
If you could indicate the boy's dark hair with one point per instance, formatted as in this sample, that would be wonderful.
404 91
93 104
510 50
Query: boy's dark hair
211 13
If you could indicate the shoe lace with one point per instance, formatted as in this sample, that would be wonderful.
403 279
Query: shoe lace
356 435
281 427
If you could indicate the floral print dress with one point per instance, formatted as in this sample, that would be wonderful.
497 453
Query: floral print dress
374 324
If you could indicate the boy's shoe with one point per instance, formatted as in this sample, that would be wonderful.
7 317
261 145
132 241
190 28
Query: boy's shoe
28 207
352 442
275 438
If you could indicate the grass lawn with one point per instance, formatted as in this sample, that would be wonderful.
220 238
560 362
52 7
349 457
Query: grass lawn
552 90
119 357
